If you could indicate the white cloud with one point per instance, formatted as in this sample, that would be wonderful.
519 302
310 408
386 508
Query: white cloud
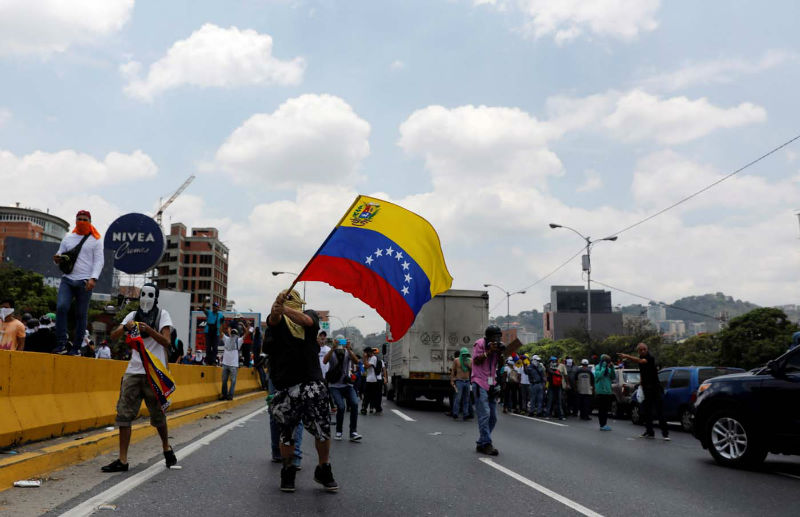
463 144
214 57
308 139
45 27
716 71
640 116
591 181
566 20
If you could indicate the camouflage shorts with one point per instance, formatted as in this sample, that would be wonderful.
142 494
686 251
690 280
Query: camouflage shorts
307 403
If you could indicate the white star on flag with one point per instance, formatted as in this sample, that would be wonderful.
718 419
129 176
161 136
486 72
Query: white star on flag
408 277
389 251
378 252
405 290
369 259
405 265
399 255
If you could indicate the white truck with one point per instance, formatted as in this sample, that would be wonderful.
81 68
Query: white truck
419 363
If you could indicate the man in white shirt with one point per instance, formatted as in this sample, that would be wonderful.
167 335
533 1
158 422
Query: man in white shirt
80 275
372 389
230 360
135 387
322 341
103 351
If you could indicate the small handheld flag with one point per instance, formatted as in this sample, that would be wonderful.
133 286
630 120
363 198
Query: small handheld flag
386 256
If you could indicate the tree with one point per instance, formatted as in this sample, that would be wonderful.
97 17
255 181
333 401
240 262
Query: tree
700 350
28 290
756 337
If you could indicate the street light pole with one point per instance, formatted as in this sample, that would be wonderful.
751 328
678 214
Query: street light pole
276 273
587 266
508 302
348 321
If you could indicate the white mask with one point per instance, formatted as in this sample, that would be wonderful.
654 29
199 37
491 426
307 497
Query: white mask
5 313
147 298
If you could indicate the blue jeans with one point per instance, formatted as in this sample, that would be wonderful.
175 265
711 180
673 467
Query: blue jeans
68 290
229 371
341 396
487 415
275 437
537 398
461 403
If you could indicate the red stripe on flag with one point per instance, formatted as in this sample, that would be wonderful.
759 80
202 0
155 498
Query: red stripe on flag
364 284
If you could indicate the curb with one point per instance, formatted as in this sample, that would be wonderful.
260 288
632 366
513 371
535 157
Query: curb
55 457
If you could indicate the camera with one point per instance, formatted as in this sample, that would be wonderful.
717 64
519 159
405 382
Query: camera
499 346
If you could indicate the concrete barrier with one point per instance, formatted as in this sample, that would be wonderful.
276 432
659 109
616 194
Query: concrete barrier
43 395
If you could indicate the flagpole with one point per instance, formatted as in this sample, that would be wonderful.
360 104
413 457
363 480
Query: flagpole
297 278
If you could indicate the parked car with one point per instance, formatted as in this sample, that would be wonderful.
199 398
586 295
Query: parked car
623 387
740 418
680 385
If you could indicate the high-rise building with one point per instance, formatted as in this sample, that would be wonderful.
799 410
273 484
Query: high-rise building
28 223
565 315
196 264
656 314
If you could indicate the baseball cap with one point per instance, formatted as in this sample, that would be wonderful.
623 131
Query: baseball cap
584 362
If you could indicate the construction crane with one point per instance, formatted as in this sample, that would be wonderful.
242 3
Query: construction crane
172 198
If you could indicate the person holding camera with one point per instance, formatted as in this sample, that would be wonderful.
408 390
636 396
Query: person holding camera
338 361
486 355
604 375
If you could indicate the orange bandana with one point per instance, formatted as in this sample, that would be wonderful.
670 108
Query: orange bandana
85 228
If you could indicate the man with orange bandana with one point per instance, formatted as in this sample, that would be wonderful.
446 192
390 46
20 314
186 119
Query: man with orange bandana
80 258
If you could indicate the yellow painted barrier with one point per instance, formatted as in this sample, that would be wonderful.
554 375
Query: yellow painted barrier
44 395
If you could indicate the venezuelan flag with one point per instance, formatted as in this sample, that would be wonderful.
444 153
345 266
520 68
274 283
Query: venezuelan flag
158 376
388 257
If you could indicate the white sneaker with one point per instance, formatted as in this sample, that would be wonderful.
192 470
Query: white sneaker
337 436
355 437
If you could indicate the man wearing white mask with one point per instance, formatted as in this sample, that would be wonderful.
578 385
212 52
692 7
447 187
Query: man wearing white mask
134 387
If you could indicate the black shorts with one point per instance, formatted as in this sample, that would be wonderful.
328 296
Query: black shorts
307 403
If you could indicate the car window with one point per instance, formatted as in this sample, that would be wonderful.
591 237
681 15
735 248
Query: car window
680 379
663 377
631 377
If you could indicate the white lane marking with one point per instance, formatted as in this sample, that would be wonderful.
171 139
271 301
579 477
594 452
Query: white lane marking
403 415
788 475
115 492
540 420
546 491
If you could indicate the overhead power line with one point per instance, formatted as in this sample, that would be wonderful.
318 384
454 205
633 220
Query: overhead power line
657 302
707 187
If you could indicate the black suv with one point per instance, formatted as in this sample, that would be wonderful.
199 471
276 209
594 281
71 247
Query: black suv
740 418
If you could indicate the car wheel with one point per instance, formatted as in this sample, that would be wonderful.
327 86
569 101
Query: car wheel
733 441
636 415
687 423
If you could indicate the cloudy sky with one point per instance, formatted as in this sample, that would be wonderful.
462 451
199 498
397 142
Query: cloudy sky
491 118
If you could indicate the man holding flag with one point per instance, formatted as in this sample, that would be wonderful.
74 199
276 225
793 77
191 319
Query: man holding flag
146 377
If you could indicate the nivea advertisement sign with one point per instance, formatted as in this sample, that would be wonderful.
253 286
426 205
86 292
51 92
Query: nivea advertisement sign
137 241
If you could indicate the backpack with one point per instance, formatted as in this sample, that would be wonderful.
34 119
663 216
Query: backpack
336 369
556 378
378 368
68 258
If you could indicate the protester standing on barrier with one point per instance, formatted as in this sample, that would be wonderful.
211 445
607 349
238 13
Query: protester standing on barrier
300 393
135 386
80 258
214 320
653 392
486 355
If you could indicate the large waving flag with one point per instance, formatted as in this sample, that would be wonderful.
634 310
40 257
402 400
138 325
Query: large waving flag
386 256
158 376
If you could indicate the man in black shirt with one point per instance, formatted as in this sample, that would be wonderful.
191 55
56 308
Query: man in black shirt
300 393
653 394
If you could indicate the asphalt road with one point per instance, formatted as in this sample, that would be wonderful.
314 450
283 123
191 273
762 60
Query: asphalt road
429 466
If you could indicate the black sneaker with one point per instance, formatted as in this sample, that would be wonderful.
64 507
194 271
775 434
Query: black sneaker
169 457
487 449
115 466
287 478
324 476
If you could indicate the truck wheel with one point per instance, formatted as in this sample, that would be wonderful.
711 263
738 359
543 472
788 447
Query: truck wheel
733 440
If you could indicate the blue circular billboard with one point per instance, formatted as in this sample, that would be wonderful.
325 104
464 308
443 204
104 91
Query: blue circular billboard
137 241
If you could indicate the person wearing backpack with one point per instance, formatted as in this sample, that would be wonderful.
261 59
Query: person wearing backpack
80 258
372 386
338 360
